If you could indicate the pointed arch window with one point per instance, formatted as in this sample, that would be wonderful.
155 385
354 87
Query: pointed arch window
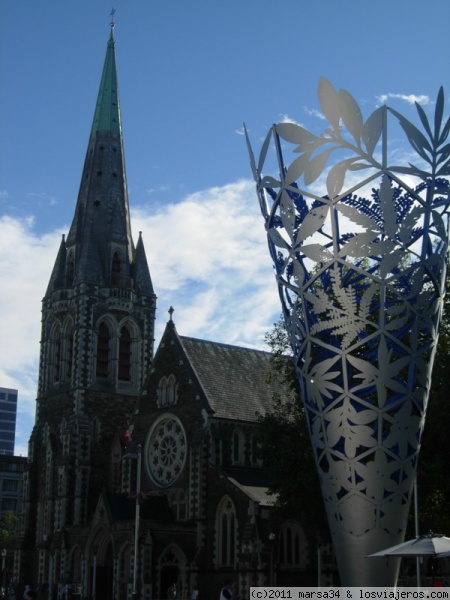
256 449
69 353
70 270
167 391
226 533
238 447
125 341
292 546
57 354
116 268
103 350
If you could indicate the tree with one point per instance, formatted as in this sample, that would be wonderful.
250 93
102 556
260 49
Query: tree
8 525
285 446
433 470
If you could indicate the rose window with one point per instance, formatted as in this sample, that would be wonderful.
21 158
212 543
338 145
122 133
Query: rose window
165 450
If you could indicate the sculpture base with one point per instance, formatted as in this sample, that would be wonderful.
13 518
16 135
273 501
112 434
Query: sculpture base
352 548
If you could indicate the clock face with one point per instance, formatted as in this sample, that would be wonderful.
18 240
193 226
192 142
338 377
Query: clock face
165 450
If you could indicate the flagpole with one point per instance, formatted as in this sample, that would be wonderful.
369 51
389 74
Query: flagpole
136 522
133 455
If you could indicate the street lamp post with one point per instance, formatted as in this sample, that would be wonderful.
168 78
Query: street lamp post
136 455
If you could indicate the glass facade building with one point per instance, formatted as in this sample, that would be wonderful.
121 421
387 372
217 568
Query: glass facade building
8 415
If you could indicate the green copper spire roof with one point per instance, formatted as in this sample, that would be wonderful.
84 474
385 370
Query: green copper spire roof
107 112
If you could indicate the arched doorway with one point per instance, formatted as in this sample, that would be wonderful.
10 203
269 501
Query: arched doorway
101 572
172 572
169 577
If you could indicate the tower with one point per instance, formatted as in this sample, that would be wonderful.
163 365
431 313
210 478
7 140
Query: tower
97 341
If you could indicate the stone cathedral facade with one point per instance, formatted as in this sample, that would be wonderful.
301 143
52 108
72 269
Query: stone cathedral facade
190 410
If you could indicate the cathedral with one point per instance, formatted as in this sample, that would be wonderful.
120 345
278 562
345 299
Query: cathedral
143 477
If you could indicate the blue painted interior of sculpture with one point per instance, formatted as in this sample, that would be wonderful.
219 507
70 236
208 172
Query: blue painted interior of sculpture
361 274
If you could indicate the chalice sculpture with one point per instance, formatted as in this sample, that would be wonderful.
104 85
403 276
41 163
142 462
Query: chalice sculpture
359 246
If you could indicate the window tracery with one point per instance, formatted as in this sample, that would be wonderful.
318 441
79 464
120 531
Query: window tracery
124 372
167 391
292 546
226 533
56 353
103 351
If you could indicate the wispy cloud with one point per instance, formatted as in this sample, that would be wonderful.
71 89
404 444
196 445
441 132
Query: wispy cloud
284 118
208 259
161 188
313 112
409 98
43 198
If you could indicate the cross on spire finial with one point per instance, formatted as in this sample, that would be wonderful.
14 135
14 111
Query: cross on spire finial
112 24
171 311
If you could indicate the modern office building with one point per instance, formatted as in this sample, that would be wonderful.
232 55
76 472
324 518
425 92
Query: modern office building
8 414
11 484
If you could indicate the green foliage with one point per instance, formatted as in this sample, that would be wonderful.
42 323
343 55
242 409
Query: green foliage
433 471
8 525
285 446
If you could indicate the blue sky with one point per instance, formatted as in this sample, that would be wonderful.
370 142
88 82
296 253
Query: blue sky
190 73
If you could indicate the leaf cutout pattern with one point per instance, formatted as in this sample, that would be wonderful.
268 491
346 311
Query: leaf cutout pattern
351 115
352 426
372 130
312 222
329 102
360 277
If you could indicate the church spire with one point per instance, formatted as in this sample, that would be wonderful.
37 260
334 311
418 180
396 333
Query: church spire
101 225
107 111
99 263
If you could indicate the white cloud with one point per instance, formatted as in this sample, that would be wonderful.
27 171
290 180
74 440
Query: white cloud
285 118
24 271
409 98
43 198
313 112
208 258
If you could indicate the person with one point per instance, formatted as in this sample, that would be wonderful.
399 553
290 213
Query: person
194 595
31 594
227 591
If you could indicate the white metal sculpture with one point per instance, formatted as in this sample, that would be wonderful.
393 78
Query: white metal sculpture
361 279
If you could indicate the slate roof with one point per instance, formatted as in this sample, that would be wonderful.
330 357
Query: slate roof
234 380
253 483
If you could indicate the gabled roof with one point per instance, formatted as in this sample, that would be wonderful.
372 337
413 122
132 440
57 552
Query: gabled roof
237 383
254 484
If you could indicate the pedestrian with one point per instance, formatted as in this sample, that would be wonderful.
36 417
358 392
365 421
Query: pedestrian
227 592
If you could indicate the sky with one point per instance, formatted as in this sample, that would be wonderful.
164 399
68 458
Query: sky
191 72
